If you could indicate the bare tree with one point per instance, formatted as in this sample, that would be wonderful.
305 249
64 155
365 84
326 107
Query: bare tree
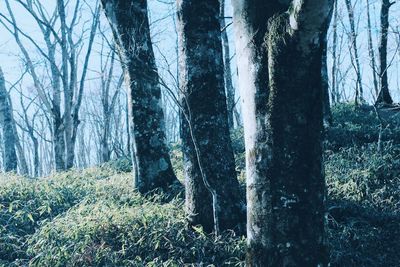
371 49
65 83
230 90
355 58
334 88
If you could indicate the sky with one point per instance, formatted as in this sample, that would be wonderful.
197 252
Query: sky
164 37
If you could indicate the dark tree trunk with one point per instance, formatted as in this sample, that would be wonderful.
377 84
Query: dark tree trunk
209 158
384 96
58 143
104 147
6 121
283 98
130 26
36 163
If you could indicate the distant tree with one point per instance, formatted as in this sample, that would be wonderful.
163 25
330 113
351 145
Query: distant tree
62 42
326 107
371 49
130 26
279 65
230 90
384 96
6 121
355 55
212 190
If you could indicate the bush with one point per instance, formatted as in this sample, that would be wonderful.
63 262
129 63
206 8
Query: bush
146 234
95 218
356 126
25 204
366 176
121 165
364 205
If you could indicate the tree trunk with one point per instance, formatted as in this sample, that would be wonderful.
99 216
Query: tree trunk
130 25
356 61
384 96
105 149
230 90
58 144
210 164
6 120
326 107
335 96
281 84
371 49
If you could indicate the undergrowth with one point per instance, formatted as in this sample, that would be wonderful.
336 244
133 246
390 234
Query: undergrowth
95 218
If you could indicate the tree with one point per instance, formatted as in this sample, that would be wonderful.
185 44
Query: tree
355 57
230 90
384 96
212 190
65 83
280 79
6 121
130 27
335 96
371 51
326 107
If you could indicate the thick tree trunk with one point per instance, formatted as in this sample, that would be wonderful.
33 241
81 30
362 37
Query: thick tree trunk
356 61
230 90
130 25
6 120
209 158
283 99
384 96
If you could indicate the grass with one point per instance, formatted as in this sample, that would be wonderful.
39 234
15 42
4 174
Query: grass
95 218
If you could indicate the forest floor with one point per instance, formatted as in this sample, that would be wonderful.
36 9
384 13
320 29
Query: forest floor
94 218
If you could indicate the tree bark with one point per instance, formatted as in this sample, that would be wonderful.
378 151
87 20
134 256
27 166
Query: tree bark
6 120
281 86
130 26
209 159
384 96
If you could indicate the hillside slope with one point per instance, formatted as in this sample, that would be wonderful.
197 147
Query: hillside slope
95 218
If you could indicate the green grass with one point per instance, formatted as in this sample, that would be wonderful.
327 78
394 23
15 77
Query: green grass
95 218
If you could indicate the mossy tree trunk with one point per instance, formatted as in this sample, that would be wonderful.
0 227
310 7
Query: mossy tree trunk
280 78
130 25
212 190
6 121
